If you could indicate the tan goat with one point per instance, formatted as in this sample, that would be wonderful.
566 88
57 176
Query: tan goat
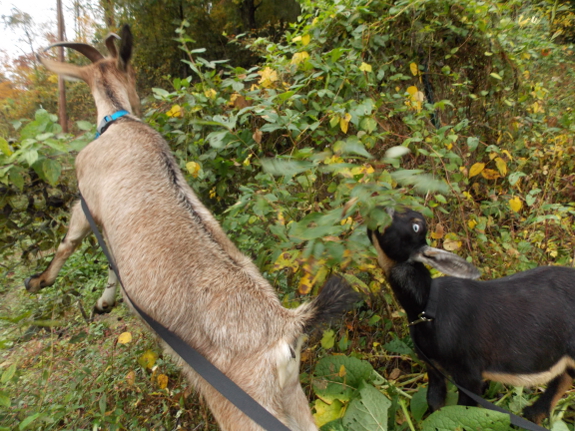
176 262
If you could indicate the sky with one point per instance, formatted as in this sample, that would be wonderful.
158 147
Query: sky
43 13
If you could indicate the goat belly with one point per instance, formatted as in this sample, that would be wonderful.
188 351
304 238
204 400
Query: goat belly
532 379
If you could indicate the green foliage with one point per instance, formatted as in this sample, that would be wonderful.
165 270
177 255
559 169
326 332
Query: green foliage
461 110
34 186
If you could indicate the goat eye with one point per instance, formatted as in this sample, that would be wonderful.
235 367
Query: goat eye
415 227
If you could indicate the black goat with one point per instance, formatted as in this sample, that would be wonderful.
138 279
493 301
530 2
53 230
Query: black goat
518 330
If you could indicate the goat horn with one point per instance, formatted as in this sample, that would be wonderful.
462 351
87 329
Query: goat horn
111 45
83 48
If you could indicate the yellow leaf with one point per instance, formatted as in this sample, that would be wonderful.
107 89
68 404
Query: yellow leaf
125 338
175 111
163 381
412 91
193 168
451 244
490 174
342 372
365 67
414 69
287 260
344 122
305 39
131 378
501 166
305 284
515 204
299 57
268 77
476 169
148 359
325 413
471 223
438 233
210 94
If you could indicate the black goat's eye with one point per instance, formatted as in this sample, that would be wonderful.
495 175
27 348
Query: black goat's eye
415 227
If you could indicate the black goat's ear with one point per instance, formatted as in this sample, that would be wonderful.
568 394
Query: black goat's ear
125 48
446 262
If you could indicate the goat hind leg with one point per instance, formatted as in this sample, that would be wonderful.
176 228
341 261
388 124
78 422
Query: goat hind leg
542 408
77 231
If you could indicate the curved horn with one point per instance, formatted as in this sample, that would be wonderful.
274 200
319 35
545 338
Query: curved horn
83 48
111 45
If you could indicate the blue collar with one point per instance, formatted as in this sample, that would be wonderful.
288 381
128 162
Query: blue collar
108 120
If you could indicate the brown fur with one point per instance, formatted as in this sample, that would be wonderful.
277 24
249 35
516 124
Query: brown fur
176 262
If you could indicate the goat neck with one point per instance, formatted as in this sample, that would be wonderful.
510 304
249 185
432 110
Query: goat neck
411 284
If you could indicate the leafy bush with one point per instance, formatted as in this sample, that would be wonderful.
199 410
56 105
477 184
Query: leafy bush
462 109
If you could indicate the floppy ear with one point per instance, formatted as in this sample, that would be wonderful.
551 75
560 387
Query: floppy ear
446 262
125 48
65 70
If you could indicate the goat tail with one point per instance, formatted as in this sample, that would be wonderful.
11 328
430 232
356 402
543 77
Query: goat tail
335 298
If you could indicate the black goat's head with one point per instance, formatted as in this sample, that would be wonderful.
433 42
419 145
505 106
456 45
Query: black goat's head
404 240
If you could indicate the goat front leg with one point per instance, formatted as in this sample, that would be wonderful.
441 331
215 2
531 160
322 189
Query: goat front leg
542 408
436 390
108 299
77 231
470 381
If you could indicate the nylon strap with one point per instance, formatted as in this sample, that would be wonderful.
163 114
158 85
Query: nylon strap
208 371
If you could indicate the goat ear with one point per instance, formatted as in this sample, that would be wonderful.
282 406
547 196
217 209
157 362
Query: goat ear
125 48
66 70
446 262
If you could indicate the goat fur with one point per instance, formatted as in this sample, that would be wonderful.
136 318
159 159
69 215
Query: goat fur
517 330
177 263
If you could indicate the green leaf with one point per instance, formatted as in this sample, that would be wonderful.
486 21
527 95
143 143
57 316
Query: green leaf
289 168
4 399
52 169
496 76
368 412
4 147
418 404
339 377
351 145
28 421
216 139
102 404
398 346
328 339
16 178
9 373
472 143
84 125
333 426
30 156
466 418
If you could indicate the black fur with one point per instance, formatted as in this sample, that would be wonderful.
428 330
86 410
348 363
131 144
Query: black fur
335 298
521 324
125 47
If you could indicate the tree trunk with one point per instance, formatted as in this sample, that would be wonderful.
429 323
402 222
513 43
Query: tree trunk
62 114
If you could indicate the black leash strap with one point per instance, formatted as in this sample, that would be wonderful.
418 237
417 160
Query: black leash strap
208 371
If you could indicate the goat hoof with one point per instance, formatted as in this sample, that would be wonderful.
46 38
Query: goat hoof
32 287
105 309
